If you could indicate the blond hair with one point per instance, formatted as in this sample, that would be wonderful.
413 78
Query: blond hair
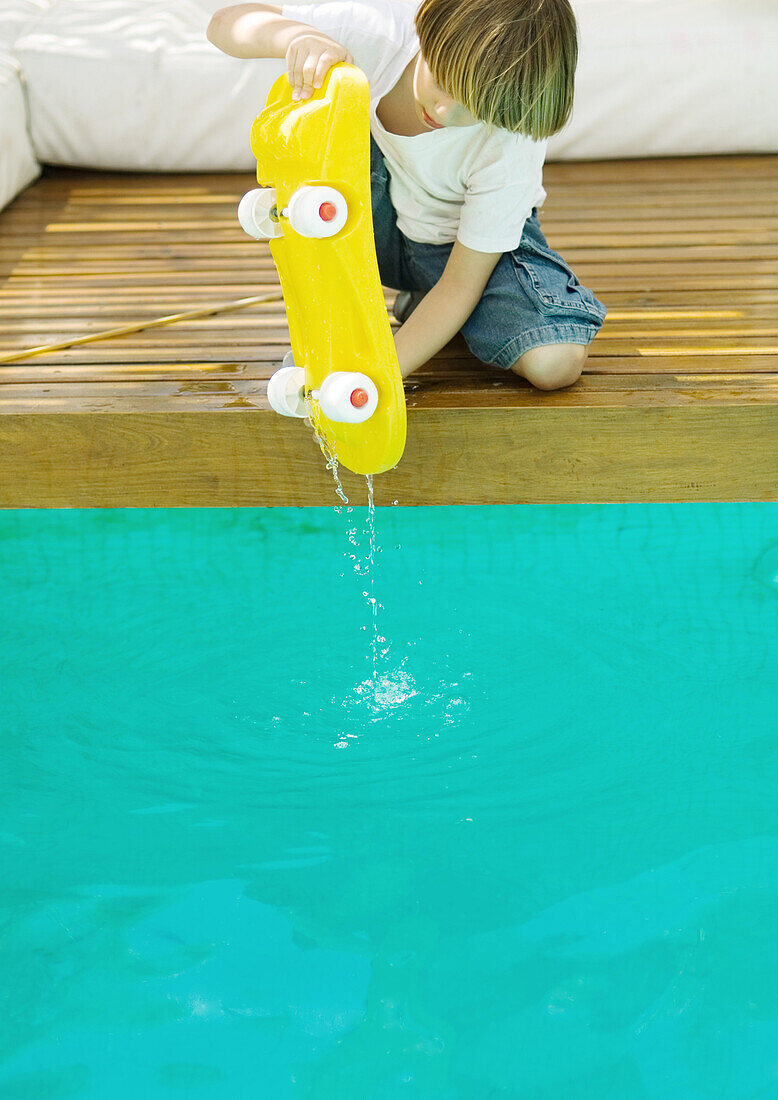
511 63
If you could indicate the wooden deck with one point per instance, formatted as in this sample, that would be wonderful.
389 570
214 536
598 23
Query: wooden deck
679 400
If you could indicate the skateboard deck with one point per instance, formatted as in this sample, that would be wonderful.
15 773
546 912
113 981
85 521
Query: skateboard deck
335 305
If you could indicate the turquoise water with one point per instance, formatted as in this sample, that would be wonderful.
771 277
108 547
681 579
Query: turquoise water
524 846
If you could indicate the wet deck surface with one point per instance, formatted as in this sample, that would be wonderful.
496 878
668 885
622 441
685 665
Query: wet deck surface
678 401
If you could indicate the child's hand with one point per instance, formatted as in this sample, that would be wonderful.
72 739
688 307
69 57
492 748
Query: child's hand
309 59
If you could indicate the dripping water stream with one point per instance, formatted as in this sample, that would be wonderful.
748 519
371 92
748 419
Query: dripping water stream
363 565
326 445
370 593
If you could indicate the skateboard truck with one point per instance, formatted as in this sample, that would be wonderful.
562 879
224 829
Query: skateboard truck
346 397
313 211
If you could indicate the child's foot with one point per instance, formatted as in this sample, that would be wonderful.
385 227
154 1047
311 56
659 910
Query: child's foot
405 303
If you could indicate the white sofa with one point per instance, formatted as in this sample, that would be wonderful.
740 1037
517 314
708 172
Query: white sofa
18 163
661 78
134 84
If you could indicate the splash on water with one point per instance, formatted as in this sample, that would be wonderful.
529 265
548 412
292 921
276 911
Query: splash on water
395 687
425 706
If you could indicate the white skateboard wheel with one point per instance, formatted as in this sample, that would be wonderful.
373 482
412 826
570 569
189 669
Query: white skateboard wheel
317 211
347 397
286 392
254 213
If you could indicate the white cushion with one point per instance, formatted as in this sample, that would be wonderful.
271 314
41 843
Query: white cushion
18 166
673 78
16 17
135 84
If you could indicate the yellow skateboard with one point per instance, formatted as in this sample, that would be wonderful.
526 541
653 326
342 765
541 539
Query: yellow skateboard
313 203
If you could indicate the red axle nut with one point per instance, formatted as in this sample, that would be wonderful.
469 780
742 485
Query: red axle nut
328 211
359 398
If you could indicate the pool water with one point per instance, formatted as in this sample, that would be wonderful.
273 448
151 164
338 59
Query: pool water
523 846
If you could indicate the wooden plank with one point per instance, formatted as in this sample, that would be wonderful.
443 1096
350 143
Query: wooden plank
612 339
119 255
641 171
254 321
646 302
271 356
594 269
474 390
703 170
459 377
245 458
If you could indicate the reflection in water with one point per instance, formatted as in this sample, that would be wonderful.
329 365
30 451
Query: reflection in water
530 853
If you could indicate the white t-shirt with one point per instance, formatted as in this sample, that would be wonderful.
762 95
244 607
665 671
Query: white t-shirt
474 184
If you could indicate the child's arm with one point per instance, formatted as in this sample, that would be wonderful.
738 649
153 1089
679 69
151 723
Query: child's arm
260 30
442 312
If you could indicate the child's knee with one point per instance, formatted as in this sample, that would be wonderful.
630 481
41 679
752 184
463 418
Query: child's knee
552 366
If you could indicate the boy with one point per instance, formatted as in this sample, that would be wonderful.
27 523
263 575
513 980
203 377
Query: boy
464 95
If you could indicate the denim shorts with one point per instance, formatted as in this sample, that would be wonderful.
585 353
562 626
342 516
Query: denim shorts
532 297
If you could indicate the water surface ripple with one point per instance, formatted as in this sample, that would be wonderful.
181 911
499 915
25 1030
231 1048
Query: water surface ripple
514 837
